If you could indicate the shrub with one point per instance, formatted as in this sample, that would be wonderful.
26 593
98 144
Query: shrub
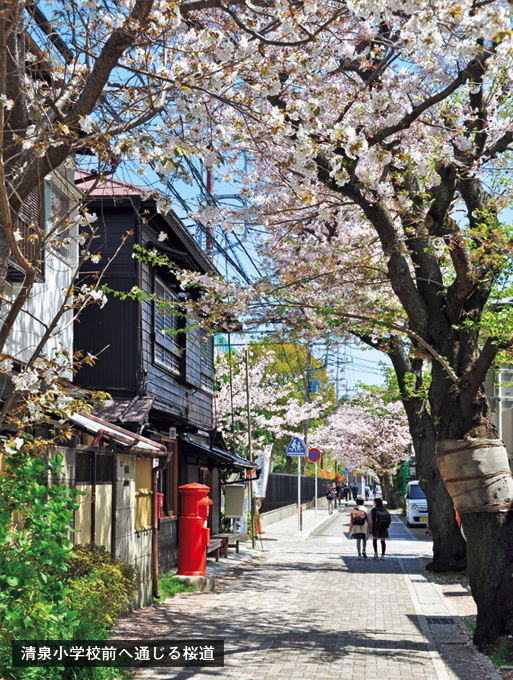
101 588
34 521
45 593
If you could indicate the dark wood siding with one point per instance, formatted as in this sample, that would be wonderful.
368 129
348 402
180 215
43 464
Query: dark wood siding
179 389
168 544
113 224
115 327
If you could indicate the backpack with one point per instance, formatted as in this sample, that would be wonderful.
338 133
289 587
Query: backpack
383 518
358 519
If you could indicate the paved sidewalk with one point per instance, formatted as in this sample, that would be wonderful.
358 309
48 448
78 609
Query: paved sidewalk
314 611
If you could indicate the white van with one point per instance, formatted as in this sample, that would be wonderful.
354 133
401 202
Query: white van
416 505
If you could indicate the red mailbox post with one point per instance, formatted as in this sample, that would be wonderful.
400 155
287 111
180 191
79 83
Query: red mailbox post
194 534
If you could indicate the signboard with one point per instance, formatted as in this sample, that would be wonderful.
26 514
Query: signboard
346 471
314 455
241 524
296 447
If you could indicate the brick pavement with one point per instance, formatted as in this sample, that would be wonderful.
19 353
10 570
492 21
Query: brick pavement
314 611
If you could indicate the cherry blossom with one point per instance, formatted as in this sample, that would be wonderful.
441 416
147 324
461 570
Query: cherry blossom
274 410
366 434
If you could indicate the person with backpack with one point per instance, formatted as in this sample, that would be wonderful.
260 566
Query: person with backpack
330 497
359 528
380 520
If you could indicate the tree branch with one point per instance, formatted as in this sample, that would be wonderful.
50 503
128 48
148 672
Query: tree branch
475 68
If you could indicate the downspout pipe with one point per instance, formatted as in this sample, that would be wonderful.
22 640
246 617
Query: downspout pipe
155 523
93 495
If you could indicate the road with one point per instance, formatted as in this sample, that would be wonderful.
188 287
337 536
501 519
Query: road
314 611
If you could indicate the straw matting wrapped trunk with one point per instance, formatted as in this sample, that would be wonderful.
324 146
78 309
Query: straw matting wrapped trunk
476 473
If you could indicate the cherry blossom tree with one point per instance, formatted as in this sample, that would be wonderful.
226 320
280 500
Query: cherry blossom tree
369 435
381 171
275 408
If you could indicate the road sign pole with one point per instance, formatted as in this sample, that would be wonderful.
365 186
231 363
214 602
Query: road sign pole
299 494
316 492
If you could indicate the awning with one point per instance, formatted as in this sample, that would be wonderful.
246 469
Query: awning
224 458
101 428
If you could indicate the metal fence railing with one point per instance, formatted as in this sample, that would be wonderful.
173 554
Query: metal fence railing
282 490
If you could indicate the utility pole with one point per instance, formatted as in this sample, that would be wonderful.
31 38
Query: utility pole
231 391
250 448
336 377
307 394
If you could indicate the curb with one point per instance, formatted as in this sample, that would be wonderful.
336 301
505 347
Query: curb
306 534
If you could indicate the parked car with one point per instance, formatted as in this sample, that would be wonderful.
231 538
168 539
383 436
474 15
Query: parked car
416 505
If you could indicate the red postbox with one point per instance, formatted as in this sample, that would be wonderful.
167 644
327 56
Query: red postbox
194 535
160 505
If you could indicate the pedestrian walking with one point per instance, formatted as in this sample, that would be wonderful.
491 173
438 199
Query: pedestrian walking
330 498
359 528
367 492
380 520
338 496
354 489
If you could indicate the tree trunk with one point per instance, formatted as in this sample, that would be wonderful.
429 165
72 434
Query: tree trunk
449 547
489 534
490 558
389 493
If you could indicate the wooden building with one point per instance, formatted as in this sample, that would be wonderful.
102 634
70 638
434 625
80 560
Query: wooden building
161 384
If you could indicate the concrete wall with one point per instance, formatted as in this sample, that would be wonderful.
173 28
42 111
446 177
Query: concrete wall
130 546
267 518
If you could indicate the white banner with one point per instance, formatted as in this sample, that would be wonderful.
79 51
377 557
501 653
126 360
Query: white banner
264 465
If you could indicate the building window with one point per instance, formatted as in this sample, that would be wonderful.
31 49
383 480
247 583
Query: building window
31 232
104 468
169 335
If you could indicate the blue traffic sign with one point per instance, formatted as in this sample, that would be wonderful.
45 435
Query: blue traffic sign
314 455
296 447
346 471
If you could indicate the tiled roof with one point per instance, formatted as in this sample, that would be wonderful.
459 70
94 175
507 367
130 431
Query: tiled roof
106 187
125 410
